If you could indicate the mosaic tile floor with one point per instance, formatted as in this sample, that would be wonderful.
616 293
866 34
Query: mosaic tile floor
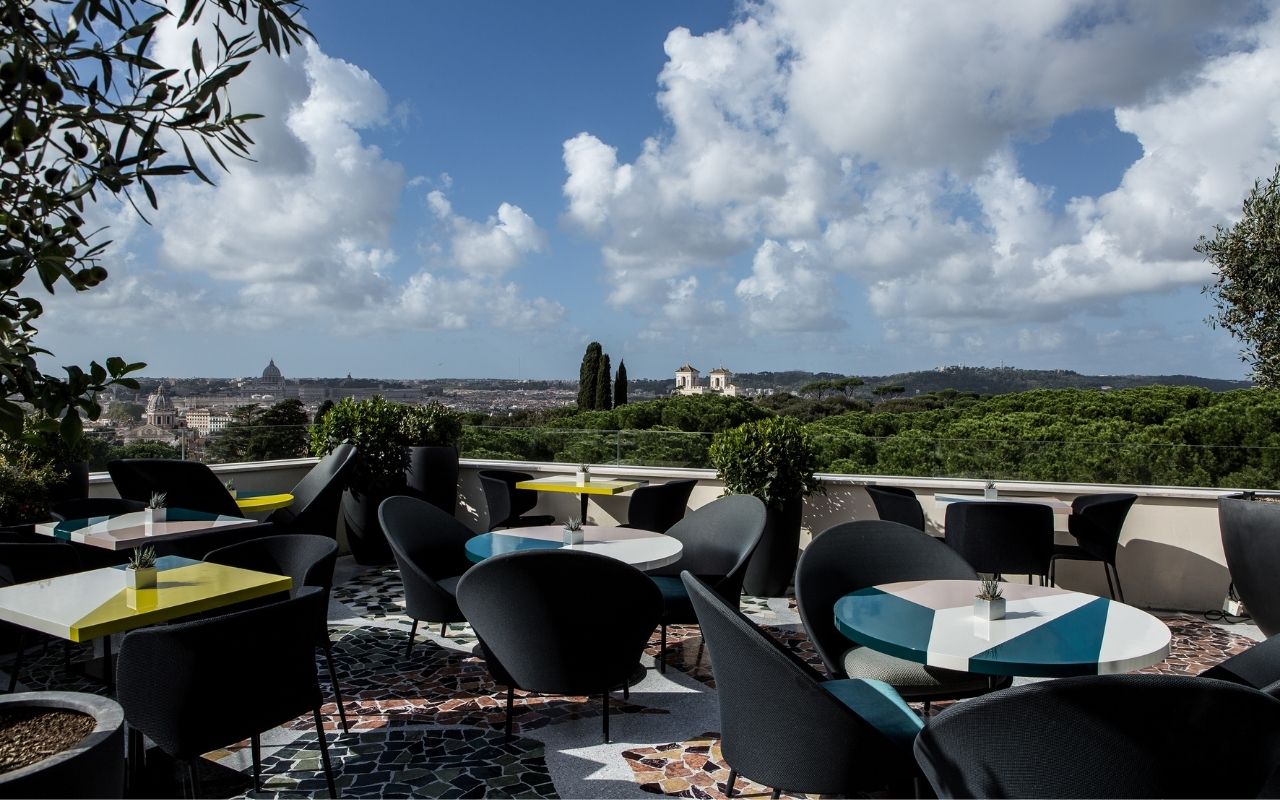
432 725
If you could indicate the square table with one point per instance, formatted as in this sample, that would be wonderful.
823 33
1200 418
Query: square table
126 531
95 604
1058 506
569 484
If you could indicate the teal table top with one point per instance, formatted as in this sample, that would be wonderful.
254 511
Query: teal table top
641 549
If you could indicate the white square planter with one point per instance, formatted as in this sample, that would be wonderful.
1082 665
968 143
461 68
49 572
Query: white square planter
583 478
153 515
574 537
144 578
988 609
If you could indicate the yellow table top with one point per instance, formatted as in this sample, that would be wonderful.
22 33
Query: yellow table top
252 503
569 484
87 605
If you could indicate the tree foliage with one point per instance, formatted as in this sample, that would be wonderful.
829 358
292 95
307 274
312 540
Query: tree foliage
1246 293
772 459
87 113
604 385
620 385
263 434
587 376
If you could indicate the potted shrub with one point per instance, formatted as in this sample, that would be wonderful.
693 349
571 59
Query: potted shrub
91 766
385 434
773 460
26 482
1250 526
573 532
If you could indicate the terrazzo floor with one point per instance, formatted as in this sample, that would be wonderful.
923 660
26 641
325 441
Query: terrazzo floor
432 725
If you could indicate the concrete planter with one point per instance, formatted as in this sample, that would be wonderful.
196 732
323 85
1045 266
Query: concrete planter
774 561
93 768
1251 542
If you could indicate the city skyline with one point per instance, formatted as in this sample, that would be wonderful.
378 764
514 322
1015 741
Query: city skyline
480 190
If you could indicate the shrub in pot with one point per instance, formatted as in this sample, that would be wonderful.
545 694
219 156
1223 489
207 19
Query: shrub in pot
433 431
774 460
1250 525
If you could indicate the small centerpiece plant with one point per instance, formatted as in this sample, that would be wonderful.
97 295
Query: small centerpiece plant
989 491
573 532
141 573
584 474
231 487
989 603
155 510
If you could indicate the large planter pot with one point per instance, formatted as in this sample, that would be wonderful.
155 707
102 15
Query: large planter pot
93 768
433 475
364 532
1251 541
774 560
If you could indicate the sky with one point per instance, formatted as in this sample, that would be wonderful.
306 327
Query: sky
480 189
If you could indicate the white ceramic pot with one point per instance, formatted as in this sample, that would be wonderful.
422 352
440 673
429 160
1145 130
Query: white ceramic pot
574 537
153 515
988 609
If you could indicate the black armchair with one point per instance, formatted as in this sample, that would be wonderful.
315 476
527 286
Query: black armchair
1002 538
429 546
308 560
1107 736
317 496
897 504
21 562
196 686
659 506
782 725
1095 522
86 507
857 555
717 541
560 621
508 506
186 484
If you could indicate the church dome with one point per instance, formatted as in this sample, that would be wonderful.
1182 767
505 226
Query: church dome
272 371
159 401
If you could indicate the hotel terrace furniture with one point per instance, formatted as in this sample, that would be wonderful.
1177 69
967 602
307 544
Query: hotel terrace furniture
856 555
308 560
1251 543
658 506
1258 667
1046 632
508 506
85 507
569 484
717 541
897 504
185 484
23 563
317 496
783 725
643 550
560 622
197 686
1095 522
1107 736
1057 506
428 545
95 604
131 530
262 502
1002 538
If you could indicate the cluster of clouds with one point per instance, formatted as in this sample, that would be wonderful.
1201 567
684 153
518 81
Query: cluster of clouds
876 146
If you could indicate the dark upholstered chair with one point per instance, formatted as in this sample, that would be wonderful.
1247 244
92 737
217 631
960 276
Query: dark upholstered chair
897 504
1095 522
429 546
21 562
86 507
783 725
186 484
1258 667
560 621
1107 736
316 497
508 506
193 687
1002 538
717 541
432 475
308 559
857 555
658 506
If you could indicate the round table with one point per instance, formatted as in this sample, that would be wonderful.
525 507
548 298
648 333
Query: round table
1047 632
641 549
258 502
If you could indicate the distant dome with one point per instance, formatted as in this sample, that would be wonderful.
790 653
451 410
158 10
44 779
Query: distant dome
159 402
272 371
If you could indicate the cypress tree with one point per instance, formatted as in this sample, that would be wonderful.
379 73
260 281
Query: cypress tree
604 392
587 377
620 385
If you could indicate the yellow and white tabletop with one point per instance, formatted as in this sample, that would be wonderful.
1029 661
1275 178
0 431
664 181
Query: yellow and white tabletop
639 548
569 484
259 502
96 603
126 531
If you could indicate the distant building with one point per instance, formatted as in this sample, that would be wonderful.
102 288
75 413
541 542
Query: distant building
271 382
160 420
687 382
207 421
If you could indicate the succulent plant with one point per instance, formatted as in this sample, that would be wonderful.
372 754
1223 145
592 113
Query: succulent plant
142 557
230 484
573 524
157 500
991 484
989 589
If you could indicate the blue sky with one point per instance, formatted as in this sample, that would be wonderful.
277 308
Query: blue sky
479 189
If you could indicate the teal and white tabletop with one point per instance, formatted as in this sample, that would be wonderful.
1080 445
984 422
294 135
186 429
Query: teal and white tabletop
1047 632
125 531
641 549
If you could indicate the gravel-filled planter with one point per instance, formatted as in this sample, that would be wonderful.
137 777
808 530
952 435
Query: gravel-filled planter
94 767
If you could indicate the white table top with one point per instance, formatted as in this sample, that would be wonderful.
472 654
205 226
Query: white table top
641 549
126 531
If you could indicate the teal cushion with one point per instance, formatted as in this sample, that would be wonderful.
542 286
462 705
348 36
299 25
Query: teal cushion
880 705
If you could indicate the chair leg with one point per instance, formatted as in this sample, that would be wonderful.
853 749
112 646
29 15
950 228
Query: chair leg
662 648
1107 572
733 778
605 716
324 753
193 776
776 794
444 629
17 660
135 752
511 702
255 748
413 631
337 689
1053 572
1116 572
